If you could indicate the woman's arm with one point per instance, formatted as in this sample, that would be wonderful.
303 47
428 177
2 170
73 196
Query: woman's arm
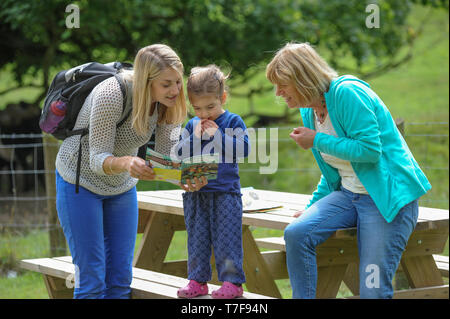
106 110
134 165
105 113
321 191
356 114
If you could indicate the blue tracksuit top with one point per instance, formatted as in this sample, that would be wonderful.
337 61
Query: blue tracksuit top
370 140
230 140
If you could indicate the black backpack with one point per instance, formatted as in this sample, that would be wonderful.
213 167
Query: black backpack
72 87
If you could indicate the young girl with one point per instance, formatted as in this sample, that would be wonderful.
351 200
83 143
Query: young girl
213 214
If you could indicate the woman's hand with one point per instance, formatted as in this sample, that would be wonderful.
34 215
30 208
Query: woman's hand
198 183
303 136
137 168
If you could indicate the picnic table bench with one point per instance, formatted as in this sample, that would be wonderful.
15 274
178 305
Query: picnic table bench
59 274
161 214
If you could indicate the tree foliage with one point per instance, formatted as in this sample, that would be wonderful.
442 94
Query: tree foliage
241 33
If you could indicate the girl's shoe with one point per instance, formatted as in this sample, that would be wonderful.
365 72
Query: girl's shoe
193 289
228 291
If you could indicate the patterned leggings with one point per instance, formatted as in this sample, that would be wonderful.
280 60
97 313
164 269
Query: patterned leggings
214 219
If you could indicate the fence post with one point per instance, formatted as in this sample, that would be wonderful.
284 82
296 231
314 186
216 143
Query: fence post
56 235
400 125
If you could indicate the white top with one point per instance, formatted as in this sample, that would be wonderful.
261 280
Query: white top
349 179
101 111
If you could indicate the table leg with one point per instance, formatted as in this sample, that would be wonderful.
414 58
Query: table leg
156 240
56 288
258 277
421 271
351 277
329 279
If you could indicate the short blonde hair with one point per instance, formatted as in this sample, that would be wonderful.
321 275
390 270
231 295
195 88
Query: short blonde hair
149 62
301 65
209 80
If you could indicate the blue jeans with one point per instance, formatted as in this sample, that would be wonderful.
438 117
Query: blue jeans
380 244
101 234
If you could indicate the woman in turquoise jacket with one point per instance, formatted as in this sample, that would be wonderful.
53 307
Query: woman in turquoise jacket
370 179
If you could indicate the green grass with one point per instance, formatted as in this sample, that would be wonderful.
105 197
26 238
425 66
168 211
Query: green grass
417 92
27 285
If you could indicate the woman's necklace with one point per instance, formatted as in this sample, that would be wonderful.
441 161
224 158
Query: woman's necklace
321 112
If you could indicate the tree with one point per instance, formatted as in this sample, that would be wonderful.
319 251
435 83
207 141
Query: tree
241 33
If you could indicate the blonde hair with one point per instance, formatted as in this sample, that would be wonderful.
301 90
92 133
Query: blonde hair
149 62
301 65
206 80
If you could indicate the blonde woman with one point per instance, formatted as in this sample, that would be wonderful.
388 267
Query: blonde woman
370 179
100 222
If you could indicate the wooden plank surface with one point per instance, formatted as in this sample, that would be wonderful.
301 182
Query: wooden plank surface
442 264
170 201
173 198
145 283
276 243
435 292
49 266
420 243
441 259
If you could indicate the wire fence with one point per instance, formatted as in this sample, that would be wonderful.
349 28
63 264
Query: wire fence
23 199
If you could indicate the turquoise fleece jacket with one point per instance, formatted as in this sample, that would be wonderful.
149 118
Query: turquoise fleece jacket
370 140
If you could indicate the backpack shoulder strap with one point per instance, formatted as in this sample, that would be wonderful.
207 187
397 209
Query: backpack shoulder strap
127 88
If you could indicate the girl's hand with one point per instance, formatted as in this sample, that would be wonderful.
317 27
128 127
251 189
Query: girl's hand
199 183
297 214
303 136
198 130
209 127
139 169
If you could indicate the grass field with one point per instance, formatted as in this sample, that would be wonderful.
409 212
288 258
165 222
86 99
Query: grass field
417 92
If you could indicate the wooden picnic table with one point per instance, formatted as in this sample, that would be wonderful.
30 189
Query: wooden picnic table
161 214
